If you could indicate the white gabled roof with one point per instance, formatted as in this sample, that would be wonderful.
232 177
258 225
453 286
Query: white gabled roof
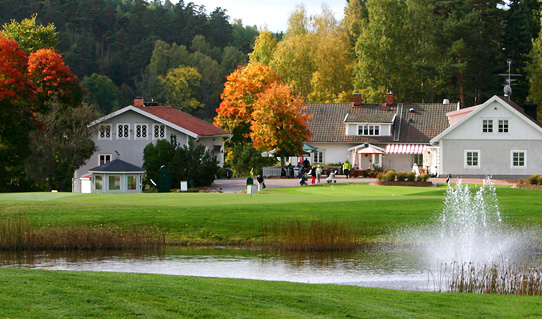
478 108
173 118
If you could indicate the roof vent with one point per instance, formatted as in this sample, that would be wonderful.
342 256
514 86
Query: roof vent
445 101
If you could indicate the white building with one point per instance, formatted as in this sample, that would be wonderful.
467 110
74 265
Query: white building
497 138
124 134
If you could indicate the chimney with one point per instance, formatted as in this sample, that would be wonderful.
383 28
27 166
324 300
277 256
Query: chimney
389 98
138 101
530 109
357 99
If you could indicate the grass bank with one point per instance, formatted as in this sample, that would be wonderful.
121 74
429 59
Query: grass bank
196 218
63 294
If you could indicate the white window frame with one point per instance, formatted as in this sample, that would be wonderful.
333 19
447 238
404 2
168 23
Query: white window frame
154 137
141 125
102 130
489 128
369 130
499 126
318 155
524 152
126 135
105 156
479 158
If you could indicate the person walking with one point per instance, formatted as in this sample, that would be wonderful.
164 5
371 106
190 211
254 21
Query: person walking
318 174
313 174
346 168
261 184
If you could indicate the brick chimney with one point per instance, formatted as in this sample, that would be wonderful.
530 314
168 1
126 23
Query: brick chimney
389 98
138 101
357 99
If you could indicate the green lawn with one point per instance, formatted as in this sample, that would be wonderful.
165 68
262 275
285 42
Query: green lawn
212 217
230 217
63 294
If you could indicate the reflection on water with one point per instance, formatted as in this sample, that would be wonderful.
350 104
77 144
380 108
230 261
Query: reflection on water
390 268
393 268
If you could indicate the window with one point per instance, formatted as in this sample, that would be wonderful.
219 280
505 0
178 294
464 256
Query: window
104 132
318 157
369 130
503 126
158 131
140 131
418 159
114 182
132 182
103 159
487 126
472 159
98 182
519 159
123 131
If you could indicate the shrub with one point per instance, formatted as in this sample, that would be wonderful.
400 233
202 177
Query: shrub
411 176
539 180
380 176
401 176
533 179
424 177
523 181
390 175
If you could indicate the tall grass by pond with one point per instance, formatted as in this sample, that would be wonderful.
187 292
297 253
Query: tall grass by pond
485 278
18 233
316 235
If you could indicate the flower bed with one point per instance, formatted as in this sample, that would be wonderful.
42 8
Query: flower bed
531 186
388 183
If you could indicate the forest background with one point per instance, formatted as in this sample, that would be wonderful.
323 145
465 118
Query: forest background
180 54
422 50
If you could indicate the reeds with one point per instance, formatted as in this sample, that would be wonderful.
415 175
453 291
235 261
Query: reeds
18 233
506 279
315 235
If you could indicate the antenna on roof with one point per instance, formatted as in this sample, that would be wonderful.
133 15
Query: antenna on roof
509 80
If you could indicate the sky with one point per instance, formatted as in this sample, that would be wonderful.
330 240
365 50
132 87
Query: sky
271 13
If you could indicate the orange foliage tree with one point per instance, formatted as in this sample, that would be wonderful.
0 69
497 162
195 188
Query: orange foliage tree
261 111
240 93
279 122
53 77
26 85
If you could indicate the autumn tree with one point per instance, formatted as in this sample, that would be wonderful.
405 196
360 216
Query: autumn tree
315 57
17 112
240 93
279 122
180 87
29 35
264 47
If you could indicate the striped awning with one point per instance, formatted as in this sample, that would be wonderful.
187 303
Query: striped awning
405 148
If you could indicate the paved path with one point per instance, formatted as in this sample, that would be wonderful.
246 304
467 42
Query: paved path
237 185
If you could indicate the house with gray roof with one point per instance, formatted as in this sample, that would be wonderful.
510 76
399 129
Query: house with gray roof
124 134
399 132
497 138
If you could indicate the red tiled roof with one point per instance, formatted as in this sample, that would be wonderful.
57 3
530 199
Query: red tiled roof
184 120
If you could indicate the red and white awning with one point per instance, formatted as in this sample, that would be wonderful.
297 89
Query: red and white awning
405 148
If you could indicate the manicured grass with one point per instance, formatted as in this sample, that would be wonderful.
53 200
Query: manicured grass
239 218
63 294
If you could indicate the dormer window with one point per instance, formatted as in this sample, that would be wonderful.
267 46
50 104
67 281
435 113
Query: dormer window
104 132
369 130
487 126
503 126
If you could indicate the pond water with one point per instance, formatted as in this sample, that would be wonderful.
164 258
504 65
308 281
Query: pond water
390 268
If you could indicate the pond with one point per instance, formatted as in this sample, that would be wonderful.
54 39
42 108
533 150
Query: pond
389 268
